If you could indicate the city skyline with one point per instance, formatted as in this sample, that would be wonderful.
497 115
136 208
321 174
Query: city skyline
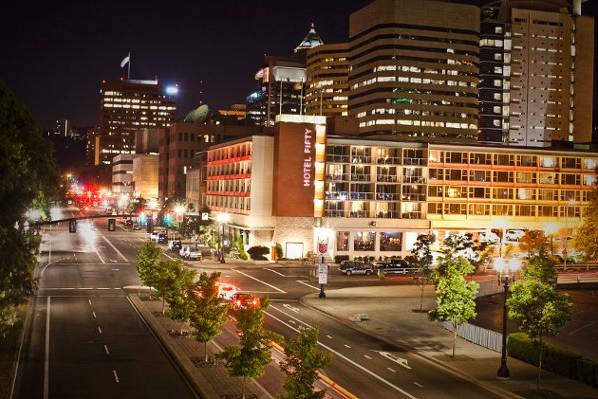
68 45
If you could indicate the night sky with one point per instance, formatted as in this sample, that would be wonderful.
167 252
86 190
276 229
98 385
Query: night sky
54 55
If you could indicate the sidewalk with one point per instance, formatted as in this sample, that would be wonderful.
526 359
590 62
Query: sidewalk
391 319
209 382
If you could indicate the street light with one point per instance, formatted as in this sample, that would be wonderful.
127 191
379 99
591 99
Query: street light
222 219
506 269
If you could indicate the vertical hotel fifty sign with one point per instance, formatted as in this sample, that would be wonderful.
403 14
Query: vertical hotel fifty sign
308 140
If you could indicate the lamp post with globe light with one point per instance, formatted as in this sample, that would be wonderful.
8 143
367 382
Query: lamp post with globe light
506 269
222 219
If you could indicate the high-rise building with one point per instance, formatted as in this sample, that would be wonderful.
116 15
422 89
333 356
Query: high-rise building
413 68
537 62
281 84
128 106
327 86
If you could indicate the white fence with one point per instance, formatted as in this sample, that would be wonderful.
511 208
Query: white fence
480 336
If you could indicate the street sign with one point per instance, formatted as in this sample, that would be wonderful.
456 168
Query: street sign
323 274
205 216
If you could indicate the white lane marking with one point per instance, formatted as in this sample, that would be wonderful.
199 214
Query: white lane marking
168 256
274 271
359 366
47 352
257 292
308 285
83 288
115 249
115 376
49 252
99 256
292 321
260 281
347 346
291 308
391 369
115 270
398 360
99 329
102 288
582 327
89 300
291 316
94 315
329 336
417 384
106 349
367 357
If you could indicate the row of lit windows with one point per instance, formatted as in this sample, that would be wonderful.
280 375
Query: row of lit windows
234 185
503 210
408 122
524 194
229 169
543 161
229 152
229 203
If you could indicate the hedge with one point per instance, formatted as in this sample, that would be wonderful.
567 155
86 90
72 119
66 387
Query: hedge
258 252
555 359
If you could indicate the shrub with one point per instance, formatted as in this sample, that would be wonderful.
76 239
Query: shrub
258 252
278 251
340 258
555 359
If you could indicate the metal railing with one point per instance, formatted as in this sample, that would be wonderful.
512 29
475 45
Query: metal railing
480 336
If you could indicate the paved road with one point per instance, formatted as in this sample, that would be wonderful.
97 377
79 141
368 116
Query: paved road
99 347
85 339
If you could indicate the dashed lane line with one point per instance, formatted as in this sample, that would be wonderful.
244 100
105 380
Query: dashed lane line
276 272
260 281
307 285
115 249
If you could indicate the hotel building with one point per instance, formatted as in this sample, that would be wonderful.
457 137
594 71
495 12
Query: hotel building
366 196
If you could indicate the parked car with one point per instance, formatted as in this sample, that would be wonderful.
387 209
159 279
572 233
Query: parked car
489 237
175 245
349 268
190 252
514 235
394 266
158 237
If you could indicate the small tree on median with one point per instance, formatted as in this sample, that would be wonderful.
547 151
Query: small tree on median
147 261
209 311
455 296
421 258
302 365
178 296
250 359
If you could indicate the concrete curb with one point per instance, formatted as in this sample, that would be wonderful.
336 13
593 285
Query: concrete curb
405 346
197 381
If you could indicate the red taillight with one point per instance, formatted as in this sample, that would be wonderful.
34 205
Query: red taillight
238 302
254 302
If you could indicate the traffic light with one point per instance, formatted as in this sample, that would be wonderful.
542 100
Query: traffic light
72 226
111 224
150 225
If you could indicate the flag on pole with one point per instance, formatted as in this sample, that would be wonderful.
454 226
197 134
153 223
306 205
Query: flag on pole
125 60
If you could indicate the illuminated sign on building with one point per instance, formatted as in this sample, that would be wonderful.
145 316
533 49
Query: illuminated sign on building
307 160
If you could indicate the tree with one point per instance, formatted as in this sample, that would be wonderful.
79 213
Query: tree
534 241
170 279
179 296
586 239
147 262
541 267
539 310
278 251
29 179
250 359
209 312
258 252
240 245
455 296
421 258
303 360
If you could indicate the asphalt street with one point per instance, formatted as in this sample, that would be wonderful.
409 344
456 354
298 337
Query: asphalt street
85 339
